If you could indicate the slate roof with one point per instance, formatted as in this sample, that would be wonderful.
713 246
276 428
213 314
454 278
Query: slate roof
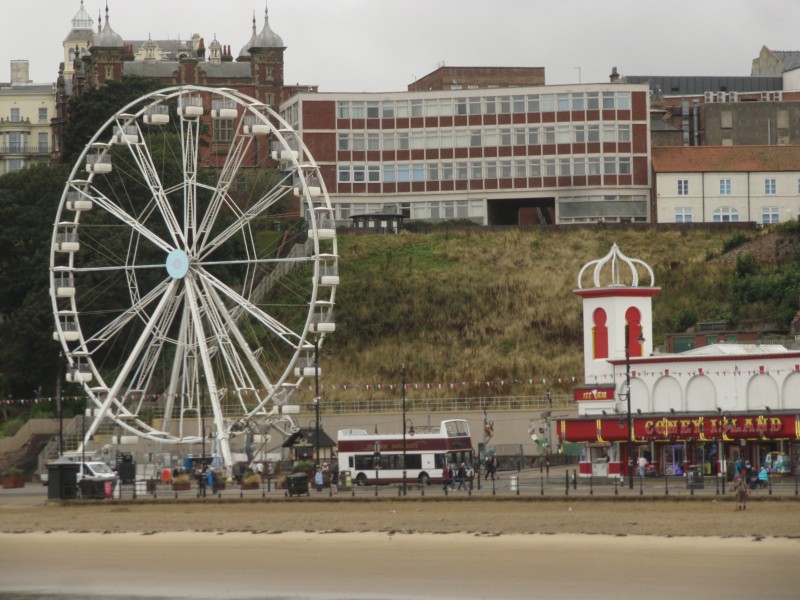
789 58
741 159
680 85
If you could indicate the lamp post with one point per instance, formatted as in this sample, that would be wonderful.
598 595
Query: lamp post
403 371
202 424
316 395
721 468
639 339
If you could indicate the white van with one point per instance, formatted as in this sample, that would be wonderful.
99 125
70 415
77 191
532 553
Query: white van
96 470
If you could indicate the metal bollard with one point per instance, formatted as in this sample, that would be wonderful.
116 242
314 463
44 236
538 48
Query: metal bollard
566 482
795 485
769 484
445 490
616 490
717 484
541 489
493 490
518 485
641 485
574 480
666 485
399 491
591 485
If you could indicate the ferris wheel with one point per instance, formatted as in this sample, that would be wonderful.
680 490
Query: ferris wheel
177 284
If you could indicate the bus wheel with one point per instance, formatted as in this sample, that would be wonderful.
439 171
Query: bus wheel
424 479
361 479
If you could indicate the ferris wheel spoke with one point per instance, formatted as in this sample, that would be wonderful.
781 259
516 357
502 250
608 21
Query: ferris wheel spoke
228 323
140 344
276 327
119 213
142 376
242 220
195 308
144 161
232 361
98 339
227 176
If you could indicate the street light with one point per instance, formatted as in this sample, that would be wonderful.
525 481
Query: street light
640 339
721 467
405 488
316 393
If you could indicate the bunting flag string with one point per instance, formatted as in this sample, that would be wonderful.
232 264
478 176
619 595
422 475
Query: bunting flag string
391 387
458 385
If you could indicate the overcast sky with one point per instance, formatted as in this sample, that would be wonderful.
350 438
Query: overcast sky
383 45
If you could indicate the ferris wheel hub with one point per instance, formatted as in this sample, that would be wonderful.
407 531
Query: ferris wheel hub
177 264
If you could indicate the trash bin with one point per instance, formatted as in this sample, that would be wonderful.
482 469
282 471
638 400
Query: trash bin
297 484
512 483
694 478
62 480
126 469
345 480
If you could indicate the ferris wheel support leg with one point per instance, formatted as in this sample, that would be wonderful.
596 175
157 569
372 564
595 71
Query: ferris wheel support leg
134 355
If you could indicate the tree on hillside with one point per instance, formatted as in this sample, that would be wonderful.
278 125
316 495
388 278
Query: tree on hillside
89 111
28 200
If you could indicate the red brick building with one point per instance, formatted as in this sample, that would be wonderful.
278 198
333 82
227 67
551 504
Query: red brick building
499 156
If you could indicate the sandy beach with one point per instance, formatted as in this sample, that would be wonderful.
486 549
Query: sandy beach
387 549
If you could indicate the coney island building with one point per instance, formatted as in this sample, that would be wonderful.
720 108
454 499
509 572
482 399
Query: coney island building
702 410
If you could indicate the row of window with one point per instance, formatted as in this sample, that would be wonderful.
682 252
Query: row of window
16 117
433 209
462 137
728 214
484 169
482 105
726 188
15 142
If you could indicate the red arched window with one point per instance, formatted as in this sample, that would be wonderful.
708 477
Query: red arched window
600 334
634 320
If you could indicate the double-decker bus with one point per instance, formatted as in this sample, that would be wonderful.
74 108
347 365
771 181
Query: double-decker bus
427 451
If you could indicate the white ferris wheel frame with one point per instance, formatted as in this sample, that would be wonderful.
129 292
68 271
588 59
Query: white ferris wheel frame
205 310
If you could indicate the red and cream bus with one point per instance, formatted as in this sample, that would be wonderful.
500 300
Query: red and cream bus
427 451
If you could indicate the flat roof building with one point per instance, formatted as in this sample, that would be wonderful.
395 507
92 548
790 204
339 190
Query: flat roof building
498 156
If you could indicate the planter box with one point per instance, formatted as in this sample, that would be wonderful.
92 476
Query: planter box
13 481
181 486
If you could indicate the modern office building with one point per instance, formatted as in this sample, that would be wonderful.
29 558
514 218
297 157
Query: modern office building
495 155
25 112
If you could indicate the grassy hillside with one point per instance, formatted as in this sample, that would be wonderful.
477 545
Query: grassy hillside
481 305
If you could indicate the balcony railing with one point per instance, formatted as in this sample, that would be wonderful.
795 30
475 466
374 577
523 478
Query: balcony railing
22 149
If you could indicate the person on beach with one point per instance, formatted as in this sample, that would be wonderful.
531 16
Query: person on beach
446 477
742 493
318 479
462 476
335 478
